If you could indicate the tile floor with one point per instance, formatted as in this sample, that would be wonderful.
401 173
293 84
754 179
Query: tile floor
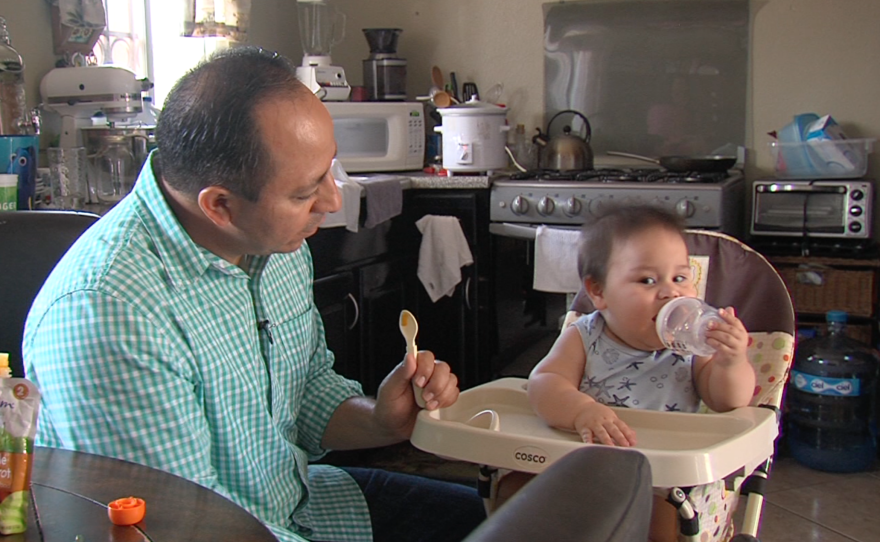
804 505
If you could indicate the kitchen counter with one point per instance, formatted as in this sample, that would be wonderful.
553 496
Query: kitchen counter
420 180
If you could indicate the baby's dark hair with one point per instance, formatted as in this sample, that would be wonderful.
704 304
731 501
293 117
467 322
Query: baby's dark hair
616 223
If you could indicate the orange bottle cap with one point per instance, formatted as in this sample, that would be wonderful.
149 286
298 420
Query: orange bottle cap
127 511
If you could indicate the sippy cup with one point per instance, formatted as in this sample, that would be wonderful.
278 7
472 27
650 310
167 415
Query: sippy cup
682 324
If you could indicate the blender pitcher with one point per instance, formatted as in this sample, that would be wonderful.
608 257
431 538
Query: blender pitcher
321 26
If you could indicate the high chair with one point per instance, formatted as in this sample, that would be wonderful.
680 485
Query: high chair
727 273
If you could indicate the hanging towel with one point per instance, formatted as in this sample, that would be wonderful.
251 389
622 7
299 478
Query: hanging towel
350 191
384 199
443 252
82 13
556 260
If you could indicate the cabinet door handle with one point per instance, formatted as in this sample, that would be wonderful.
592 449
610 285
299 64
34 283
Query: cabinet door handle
467 293
357 311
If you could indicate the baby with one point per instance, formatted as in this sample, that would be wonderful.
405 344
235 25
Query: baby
633 260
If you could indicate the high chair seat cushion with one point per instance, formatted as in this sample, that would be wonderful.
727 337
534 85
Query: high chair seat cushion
771 356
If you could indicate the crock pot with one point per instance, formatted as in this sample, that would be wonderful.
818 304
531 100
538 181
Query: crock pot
474 136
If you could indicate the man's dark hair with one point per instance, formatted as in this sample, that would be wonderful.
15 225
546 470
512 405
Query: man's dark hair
207 133
615 224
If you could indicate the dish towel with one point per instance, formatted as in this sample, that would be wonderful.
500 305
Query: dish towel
82 13
556 260
443 252
384 199
350 191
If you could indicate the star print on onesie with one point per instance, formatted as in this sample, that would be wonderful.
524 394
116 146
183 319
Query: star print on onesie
617 375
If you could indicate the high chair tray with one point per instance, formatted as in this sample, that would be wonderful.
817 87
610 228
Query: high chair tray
493 424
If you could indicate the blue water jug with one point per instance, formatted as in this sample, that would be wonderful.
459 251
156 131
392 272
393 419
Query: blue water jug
830 401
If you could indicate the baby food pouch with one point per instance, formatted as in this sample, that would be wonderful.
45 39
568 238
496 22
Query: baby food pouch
19 404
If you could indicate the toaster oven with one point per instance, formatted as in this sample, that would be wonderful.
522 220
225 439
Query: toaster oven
813 208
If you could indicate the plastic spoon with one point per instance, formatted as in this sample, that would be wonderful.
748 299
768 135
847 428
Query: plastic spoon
409 328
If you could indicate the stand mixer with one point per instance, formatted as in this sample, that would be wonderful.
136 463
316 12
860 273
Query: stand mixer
115 152
321 26
77 94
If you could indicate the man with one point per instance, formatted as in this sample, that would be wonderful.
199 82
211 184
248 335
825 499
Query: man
180 331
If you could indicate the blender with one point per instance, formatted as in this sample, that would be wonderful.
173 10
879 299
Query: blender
384 72
321 26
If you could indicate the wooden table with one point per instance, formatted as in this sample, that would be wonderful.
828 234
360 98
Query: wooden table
72 489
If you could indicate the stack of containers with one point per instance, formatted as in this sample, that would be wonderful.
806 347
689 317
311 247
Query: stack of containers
814 147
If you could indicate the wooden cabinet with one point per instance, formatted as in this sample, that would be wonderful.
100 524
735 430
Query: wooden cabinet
818 285
336 299
364 279
460 329
385 288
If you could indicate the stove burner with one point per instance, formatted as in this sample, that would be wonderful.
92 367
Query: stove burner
621 176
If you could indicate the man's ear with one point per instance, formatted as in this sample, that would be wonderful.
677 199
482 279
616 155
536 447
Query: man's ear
218 205
595 292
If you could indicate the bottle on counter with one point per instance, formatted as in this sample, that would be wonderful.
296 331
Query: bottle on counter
830 401
523 150
5 371
13 105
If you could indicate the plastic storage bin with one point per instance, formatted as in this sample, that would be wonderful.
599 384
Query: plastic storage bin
822 159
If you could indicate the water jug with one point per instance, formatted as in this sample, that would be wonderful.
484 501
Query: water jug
830 401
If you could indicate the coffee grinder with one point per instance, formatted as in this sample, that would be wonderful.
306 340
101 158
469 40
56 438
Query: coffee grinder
384 72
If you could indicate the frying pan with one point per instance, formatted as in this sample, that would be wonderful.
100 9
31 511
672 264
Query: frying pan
683 164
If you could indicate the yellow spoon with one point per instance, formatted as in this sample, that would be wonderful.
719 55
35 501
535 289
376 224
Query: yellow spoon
409 327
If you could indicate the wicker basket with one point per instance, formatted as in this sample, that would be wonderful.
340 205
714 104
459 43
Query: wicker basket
819 289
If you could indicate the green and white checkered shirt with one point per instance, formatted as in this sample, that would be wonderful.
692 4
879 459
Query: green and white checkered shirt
146 347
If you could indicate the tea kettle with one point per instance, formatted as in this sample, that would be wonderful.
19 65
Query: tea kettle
565 152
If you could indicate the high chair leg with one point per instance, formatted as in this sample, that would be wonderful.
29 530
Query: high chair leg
487 487
688 519
753 488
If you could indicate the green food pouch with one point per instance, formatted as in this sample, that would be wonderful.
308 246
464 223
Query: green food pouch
19 404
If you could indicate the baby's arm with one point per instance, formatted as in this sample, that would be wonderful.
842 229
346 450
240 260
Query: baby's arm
726 380
555 395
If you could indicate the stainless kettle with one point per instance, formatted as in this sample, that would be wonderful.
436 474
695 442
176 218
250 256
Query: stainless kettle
565 152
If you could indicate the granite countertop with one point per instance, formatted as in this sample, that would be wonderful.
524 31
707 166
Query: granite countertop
419 179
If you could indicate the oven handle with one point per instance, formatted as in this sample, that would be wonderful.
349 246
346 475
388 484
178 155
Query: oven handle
800 188
520 231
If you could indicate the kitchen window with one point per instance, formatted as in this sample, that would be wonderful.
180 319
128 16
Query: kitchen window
145 37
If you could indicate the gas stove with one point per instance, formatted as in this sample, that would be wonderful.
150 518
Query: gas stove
714 201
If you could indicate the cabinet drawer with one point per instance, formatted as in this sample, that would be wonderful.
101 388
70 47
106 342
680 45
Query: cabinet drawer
818 289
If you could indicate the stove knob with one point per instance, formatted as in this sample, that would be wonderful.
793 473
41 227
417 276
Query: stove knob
595 206
546 206
519 205
685 209
573 206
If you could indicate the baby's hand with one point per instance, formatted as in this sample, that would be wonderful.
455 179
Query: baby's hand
596 423
729 339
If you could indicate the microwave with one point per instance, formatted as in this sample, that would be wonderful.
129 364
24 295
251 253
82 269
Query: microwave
821 208
379 136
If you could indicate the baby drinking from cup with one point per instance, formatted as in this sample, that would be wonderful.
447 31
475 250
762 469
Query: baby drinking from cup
633 260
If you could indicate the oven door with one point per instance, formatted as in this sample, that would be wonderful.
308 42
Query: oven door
528 320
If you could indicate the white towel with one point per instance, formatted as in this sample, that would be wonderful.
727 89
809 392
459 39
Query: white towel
556 260
443 252
350 191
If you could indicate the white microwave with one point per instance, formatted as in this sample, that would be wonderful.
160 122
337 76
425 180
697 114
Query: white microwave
379 136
